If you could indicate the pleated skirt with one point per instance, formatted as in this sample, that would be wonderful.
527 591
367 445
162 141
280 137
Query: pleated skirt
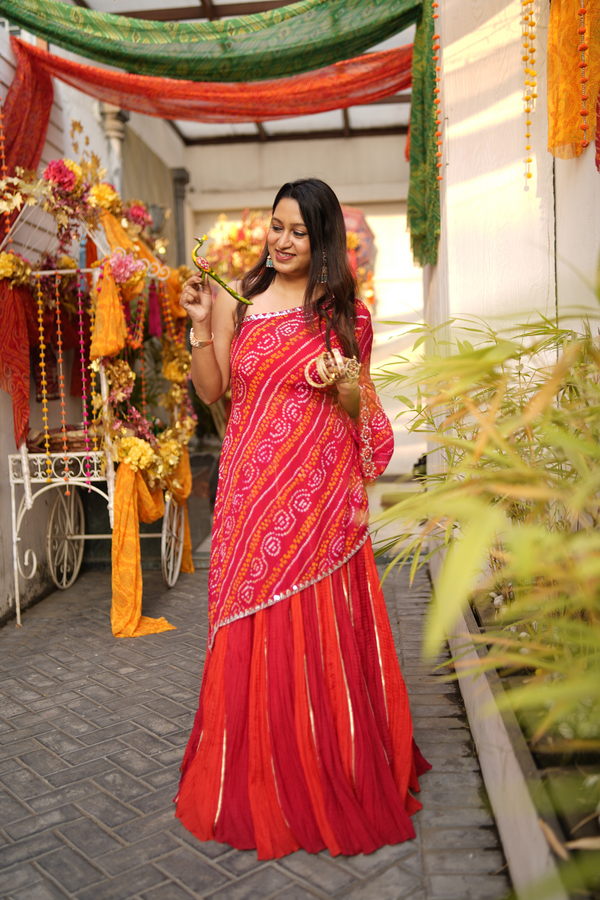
303 735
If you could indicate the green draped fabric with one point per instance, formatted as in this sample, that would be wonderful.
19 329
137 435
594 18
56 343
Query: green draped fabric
298 38
423 187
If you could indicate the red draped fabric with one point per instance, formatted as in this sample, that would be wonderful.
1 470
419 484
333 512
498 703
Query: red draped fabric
26 117
349 83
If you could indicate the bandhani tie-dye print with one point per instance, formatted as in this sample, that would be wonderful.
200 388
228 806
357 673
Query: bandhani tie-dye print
291 506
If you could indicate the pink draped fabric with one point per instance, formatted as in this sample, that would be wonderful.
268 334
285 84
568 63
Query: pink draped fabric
291 506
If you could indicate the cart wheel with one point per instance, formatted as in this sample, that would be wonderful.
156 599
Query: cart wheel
172 542
64 549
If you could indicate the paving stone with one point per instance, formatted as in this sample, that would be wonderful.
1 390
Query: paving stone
468 887
120 785
373 862
62 796
24 784
78 772
192 871
88 837
148 744
466 862
106 809
141 828
263 883
150 850
17 878
240 862
167 891
44 890
34 824
70 869
11 810
134 762
458 838
28 849
122 887
318 872
391 884
472 817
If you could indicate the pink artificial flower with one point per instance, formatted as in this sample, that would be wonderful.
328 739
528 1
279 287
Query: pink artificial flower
124 266
60 174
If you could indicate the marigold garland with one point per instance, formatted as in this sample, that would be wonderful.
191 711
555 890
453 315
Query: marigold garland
582 49
530 85
84 398
40 311
61 379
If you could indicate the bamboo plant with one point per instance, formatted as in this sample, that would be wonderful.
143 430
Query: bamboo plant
513 421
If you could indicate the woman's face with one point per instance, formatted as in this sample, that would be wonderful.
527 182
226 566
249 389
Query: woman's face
288 240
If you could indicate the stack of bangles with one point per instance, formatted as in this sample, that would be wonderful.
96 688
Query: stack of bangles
349 369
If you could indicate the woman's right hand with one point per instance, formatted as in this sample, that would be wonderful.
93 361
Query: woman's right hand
196 299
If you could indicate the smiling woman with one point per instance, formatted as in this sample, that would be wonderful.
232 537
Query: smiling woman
303 736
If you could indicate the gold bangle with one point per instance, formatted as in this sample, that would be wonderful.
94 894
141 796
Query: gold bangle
322 370
312 383
200 344
339 362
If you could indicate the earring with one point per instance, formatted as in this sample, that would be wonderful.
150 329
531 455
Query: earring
269 262
323 275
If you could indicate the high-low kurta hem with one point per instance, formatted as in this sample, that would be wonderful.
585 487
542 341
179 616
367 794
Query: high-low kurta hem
303 735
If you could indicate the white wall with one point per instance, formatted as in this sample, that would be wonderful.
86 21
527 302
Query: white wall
497 235
577 231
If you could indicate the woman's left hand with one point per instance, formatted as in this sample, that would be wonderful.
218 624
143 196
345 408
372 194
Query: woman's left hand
347 388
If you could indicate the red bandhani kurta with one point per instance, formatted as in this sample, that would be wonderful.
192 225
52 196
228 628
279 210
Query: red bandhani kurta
291 506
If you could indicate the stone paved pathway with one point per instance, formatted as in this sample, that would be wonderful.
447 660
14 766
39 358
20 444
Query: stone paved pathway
92 732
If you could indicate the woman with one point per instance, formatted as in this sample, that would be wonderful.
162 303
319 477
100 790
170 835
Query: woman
303 736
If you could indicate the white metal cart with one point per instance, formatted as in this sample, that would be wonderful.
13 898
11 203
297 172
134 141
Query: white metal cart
65 532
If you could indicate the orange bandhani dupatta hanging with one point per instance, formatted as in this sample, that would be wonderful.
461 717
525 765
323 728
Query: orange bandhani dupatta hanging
566 71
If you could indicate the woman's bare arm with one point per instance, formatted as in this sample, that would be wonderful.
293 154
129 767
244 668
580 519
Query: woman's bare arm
210 364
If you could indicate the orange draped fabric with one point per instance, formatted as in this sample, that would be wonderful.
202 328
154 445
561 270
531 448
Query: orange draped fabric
133 501
350 83
110 332
564 88
118 237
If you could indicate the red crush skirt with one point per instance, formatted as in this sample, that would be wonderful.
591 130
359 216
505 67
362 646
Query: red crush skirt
303 735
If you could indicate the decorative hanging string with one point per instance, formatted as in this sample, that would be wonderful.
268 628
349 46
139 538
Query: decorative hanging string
304 36
437 101
61 379
582 50
530 85
84 397
143 377
135 335
95 402
44 380
353 82
167 317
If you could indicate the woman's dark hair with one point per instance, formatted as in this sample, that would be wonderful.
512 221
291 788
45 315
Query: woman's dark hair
335 304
